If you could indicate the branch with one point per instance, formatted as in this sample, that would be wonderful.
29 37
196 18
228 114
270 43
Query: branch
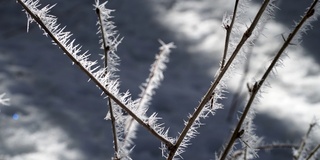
259 83
228 33
208 95
90 75
106 49
313 152
265 147
303 142
152 82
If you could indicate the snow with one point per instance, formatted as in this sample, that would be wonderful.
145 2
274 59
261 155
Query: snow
56 114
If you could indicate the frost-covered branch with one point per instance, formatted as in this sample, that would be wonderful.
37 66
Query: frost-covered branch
256 87
109 42
152 82
109 37
227 24
313 152
98 75
203 110
236 154
300 152
61 38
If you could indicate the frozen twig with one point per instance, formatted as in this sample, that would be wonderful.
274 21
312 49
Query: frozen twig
313 152
238 153
228 27
106 49
114 132
303 141
152 82
276 146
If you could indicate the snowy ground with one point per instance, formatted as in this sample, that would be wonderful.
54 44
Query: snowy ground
61 114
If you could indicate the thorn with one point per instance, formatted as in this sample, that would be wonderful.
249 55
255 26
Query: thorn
227 27
98 11
107 48
284 39
240 133
249 88
310 13
255 87
211 101
245 143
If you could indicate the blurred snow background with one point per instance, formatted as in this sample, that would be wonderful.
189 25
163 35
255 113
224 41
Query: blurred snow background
55 114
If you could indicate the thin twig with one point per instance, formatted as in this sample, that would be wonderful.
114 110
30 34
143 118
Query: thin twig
276 146
228 33
208 95
313 152
113 123
106 47
303 141
96 81
266 147
106 55
259 83
144 92
225 52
